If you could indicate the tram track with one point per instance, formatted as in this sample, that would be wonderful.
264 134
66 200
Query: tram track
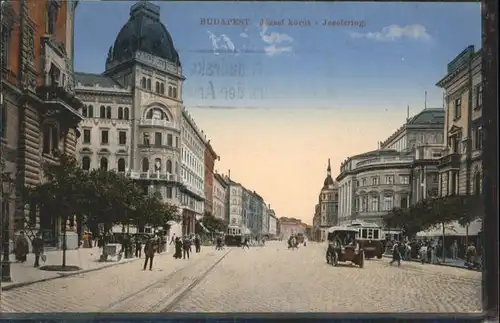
181 296
153 297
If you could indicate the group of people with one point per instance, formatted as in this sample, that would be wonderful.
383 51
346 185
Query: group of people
183 246
22 248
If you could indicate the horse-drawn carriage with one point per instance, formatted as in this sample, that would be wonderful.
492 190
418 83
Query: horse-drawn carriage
344 247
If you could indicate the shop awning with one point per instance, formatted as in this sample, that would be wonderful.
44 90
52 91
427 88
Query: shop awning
453 229
203 227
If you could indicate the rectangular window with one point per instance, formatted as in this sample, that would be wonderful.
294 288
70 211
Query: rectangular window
86 136
145 139
176 142
3 130
458 108
479 96
169 140
157 139
104 137
363 182
389 179
388 203
478 138
122 137
404 179
374 180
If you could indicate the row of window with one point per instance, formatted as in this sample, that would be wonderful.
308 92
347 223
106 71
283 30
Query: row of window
87 137
159 140
159 87
105 112
388 179
190 160
329 196
193 180
158 166
190 137
103 163
457 108
375 204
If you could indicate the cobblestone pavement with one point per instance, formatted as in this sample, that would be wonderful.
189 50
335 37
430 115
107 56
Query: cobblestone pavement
124 288
274 279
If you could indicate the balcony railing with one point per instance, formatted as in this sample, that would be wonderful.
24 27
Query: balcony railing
451 160
157 123
384 160
153 176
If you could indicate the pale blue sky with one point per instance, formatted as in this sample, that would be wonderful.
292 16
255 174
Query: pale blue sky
332 92
329 65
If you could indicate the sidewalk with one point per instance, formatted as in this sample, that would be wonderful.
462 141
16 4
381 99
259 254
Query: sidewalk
85 258
457 263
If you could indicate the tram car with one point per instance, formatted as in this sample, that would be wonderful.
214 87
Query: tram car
300 238
234 236
371 238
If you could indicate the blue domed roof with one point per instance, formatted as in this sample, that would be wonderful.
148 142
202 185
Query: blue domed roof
144 32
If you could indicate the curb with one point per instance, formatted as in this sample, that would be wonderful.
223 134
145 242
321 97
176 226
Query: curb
439 264
63 275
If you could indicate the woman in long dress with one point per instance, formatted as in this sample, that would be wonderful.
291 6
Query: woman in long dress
22 248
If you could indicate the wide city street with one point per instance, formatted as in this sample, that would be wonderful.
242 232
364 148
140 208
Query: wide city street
261 279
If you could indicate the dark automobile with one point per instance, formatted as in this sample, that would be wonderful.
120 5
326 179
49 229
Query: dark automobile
344 247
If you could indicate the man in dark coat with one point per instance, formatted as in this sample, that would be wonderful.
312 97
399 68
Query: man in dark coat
37 245
22 247
197 243
186 246
149 253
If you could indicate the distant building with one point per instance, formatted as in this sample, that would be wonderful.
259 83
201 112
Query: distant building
373 183
326 211
210 158
273 224
219 197
289 226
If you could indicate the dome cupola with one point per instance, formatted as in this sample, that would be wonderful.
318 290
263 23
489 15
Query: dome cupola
328 180
143 32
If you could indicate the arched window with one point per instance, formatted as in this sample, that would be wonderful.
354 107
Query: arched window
162 88
175 93
86 163
149 84
157 114
126 114
104 163
121 165
102 111
145 164
157 165
477 183
157 87
176 167
84 111
170 91
143 82
90 111
169 166
50 138
120 113
108 112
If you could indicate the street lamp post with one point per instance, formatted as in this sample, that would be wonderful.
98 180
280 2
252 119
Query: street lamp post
5 244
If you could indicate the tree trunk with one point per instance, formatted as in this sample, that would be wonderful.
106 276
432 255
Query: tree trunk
64 246
443 252
467 235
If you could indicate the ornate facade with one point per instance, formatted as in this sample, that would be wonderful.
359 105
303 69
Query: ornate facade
210 158
326 211
40 112
134 121
460 168
402 171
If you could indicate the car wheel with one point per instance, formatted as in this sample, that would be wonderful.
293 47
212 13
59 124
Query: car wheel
379 257
328 258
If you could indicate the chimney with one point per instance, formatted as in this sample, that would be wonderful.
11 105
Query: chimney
229 173
269 205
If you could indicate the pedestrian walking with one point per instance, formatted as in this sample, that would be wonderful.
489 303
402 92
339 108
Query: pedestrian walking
186 246
22 248
37 245
178 248
197 243
149 253
245 243
138 247
396 254
454 250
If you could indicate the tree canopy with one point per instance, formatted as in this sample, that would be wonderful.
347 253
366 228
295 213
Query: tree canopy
97 196
431 212
212 224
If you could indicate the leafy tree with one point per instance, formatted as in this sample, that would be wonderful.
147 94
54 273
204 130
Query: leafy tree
214 224
157 213
61 194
